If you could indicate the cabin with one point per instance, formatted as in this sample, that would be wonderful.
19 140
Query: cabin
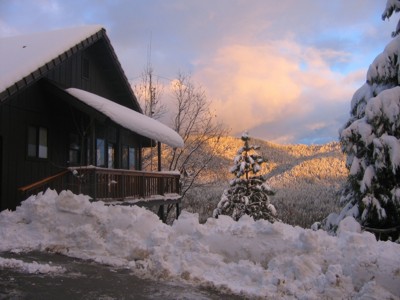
70 120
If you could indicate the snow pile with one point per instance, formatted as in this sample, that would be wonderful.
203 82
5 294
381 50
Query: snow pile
252 258
31 268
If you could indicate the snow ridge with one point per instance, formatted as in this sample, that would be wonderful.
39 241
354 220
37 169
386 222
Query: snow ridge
250 258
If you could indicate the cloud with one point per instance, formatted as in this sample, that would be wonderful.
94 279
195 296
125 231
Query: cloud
281 89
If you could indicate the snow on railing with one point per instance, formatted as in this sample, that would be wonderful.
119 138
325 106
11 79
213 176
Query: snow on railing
108 184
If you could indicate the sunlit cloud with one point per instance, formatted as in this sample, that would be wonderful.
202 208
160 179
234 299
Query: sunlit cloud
249 84
276 82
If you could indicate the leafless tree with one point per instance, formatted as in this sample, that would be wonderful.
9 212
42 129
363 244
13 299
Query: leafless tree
196 123
190 115
149 93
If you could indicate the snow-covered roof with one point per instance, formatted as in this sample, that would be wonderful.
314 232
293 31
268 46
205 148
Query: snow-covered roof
129 119
24 54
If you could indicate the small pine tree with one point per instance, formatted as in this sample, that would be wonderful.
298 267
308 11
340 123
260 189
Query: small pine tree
248 192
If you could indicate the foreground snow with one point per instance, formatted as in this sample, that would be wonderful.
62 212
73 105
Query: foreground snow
245 257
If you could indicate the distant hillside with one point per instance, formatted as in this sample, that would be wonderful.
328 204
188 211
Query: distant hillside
306 179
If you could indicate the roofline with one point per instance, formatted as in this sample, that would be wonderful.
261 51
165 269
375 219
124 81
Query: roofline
121 70
41 71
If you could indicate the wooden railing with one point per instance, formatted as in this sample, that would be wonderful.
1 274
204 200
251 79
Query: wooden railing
109 184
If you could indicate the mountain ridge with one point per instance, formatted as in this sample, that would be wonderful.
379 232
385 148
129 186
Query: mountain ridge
307 179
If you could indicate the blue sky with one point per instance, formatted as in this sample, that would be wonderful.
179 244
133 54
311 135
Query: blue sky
283 70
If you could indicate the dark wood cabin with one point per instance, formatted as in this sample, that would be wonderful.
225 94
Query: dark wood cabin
48 137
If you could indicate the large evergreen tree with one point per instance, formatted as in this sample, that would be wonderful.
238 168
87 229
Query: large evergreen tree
248 192
371 140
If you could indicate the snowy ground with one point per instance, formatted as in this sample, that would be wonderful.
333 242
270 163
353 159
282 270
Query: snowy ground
246 257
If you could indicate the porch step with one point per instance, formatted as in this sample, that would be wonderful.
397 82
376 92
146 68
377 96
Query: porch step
145 202
159 200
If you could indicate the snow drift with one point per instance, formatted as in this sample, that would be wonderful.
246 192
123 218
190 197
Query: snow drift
252 258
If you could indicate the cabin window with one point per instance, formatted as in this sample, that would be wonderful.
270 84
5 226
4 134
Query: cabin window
132 160
125 161
32 142
111 155
74 149
100 153
85 68
37 142
128 158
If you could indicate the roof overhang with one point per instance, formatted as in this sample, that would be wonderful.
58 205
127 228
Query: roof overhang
129 119
27 58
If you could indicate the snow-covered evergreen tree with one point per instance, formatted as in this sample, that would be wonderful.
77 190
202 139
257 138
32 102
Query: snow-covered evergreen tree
371 140
248 192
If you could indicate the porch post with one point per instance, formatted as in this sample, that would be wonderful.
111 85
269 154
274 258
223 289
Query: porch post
93 159
161 213
159 155
178 210
92 146
139 163
95 185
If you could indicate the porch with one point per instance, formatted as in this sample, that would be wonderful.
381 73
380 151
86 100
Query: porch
115 186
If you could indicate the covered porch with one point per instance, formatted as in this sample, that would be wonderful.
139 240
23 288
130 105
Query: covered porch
104 151
115 186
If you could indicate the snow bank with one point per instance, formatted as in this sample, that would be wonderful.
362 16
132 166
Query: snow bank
245 257
31 268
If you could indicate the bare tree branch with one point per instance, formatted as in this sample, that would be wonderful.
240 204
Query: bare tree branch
149 93
195 122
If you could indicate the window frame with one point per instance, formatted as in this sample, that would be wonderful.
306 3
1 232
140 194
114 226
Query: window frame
37 144
129 157
101 152
74 149
111 157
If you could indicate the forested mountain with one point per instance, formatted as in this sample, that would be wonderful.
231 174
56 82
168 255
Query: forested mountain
306 179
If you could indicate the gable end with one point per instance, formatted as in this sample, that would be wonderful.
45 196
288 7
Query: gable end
42 71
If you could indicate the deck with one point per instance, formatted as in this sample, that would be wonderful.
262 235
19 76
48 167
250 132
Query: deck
114 186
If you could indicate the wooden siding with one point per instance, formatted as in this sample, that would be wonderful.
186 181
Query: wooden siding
29 102
104 79
30 108
38 108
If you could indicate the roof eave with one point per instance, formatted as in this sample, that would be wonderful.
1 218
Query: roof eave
123 75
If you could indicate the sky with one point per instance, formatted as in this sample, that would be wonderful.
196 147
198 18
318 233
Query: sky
285 71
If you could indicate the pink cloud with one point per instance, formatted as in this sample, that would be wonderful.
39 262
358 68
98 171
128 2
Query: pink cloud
251 85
